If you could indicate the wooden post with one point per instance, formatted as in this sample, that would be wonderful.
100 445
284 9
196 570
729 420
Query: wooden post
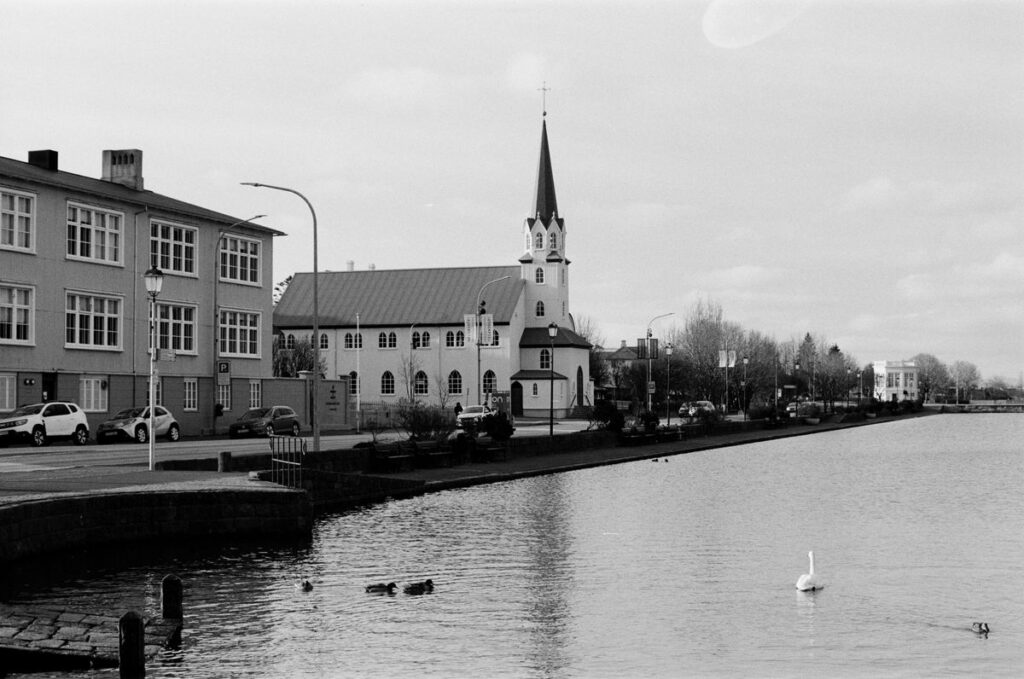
224 461
171 595
131 648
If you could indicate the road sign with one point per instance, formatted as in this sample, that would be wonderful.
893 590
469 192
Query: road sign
223 373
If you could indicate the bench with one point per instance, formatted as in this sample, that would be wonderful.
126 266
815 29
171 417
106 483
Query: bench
390 458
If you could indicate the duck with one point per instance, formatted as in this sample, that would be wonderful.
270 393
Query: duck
809 582
980 628
305 586
424 587
381 588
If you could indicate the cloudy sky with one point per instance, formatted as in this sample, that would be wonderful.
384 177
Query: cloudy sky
844 167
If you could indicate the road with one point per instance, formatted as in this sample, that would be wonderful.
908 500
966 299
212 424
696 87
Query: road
23 457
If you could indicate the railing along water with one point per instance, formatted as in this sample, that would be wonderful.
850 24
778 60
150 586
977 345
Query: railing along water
286 460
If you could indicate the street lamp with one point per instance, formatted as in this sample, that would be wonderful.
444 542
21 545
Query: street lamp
668 381
860 387
316 313
743 396
552 332
479 332
649 323
216 310
154 278
849 372
796 390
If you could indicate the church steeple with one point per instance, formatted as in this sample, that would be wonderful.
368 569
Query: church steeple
546 205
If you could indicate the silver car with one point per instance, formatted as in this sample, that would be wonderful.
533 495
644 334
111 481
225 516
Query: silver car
133 424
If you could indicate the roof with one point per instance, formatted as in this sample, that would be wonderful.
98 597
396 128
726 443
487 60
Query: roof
545 205
389 297
621 354
537 375
538 337
69 181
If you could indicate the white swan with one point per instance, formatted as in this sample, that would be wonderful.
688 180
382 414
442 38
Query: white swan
809 582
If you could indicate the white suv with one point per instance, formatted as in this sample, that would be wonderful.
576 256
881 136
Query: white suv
41 422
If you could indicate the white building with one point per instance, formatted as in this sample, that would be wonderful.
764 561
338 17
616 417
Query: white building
412 333
895 380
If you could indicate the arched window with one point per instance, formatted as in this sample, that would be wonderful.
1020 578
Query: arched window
323 341
495 339
527 241
540 309
454 382
449 339
538 275
490 382
553 240
382 340
460 339
349 342
545 359
387 383
359 340
421 384
415 340
538 241
425 340
353 383
535 390
290 343
392 340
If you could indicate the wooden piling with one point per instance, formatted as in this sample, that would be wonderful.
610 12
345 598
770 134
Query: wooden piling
131 648
224 461
172 593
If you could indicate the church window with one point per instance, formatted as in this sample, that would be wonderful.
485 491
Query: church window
392 340
425 340
449 339
460 339
538 241
540 310
527 241
454 382
545 359
495 338
290 342
349 342
490 382
382 340
535 390
353 383
421 384
538 275
324 342
387 383
415 340
359 340
553 240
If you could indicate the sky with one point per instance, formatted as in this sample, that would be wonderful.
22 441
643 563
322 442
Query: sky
847 168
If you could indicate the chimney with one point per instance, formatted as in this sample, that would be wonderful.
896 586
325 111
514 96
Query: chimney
123 167
623 344
350 265
373 267
44 159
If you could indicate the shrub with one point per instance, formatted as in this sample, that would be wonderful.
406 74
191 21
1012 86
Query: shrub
498 427
606 415
649 420
423 423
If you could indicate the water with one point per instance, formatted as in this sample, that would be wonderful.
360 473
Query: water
648 569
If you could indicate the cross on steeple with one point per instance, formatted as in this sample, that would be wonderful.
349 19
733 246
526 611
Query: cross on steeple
544 97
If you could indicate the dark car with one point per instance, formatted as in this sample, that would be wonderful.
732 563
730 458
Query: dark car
265 422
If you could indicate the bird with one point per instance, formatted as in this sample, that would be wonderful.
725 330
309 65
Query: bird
305 586
424 587
381 588
980 628
809 581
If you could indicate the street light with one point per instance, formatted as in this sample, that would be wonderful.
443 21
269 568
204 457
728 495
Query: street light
668 381
552 332
743 396
649 323
479 332
860 387
796 390
849 372
154 278
216 309
316 312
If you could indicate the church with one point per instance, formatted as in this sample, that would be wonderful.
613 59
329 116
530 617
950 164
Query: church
499 335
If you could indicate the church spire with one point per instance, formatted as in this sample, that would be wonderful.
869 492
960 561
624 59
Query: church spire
546 205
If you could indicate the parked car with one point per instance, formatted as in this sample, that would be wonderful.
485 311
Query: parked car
133 424
265 422
473 415
695 408
41 422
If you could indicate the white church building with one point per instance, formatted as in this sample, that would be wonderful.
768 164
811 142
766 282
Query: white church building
420 334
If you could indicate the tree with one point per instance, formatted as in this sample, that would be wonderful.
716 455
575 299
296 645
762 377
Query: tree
290 362
281 287
932 375
966 377
599 370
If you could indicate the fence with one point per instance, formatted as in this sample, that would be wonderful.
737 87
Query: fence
286 460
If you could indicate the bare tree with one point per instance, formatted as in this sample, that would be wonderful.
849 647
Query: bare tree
965 376
932 375
587 328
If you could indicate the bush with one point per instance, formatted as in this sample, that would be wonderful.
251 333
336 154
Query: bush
649 420
606 415
498 427
423 423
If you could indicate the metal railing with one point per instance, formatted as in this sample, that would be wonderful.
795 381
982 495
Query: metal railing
286 460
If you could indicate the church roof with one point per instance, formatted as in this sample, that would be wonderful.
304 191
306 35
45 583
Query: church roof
538 337
399 297
546 205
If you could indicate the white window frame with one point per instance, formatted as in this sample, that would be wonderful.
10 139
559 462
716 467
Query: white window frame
255 393
224 396
387 383
240 260
553 240
104 229
232 328
163 253
8 391
538 275
421 384
490 382
17 223
11 306
545 359
455 382
190 395
538 241
539 310
171 332
92 393
78 313
353 383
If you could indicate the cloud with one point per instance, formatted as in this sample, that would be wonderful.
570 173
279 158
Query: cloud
926 196
743 277
526 72
391 86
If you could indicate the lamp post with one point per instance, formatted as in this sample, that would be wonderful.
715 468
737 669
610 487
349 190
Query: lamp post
216 309
743 395
316 313
849 372
668 382
649 323
860 387
796 390
479 332
154 278
552 332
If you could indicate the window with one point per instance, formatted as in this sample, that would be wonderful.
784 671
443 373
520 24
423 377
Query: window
490 382
387 383
353 383
224 395
348 341
176 327
94 234
239 260
382 340
290 342
454 382
538 275
92 393
495 338
392 340
553 240
17 221
449 339
324 342
239 334
909 380
527 241
8 394
190 399
172 248
536 391
159 393
540 309
255 394
425 340
16 315
545 359
92 322
359 340
415 340
421 384
538 241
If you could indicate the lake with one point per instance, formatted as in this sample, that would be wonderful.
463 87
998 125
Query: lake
680 567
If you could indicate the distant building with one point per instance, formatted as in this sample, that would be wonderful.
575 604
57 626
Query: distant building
895 380
617 387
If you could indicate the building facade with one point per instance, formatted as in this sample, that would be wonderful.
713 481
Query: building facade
455 336
74 311
895 380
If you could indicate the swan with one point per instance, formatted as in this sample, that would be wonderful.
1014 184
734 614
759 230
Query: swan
980 628
381 588
305 586
809 581
419 587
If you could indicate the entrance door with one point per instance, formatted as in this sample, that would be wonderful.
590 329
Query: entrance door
579 386
517 399
49 386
